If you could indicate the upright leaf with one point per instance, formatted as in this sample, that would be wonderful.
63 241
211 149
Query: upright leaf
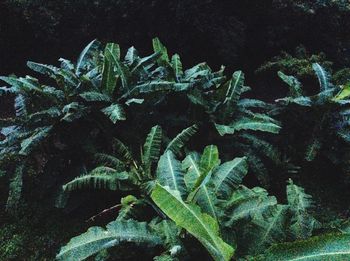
210 158
122 70
158 47
109 76
151 148
300 204
323 77
201 226
86 56
228 176
169 173
177 66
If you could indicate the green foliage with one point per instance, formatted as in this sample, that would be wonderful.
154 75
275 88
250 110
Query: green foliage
325 114
116 232
207 200
171 195
325 247
187 216
298 64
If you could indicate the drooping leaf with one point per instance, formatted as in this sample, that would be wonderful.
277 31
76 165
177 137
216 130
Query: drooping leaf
246 123
97 239
43 68
201 226
176 144
122 150
105 180
327 247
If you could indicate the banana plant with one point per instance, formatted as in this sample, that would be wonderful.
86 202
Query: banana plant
99 86
326 110
204 198
216 102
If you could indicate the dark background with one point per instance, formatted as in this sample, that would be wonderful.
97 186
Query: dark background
239 34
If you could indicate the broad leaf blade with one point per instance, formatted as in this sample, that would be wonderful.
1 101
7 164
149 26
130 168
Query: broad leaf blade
328 247
109 76
201 226
181 139
97 239
151 148
169 173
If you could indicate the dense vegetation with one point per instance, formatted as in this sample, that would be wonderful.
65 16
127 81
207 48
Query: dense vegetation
135 125
117 155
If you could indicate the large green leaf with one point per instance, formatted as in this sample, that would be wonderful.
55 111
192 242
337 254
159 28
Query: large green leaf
245 123
177 66
43 68
151 148
176 144
101 180
122 70
330 247
158 47
210 159
228 176
86 56
245 204
188 216
109 75
204 196
300 204
265 231
235 88
97 239
122 151
169 173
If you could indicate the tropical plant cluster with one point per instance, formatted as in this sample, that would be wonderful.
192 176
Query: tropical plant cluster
190 155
